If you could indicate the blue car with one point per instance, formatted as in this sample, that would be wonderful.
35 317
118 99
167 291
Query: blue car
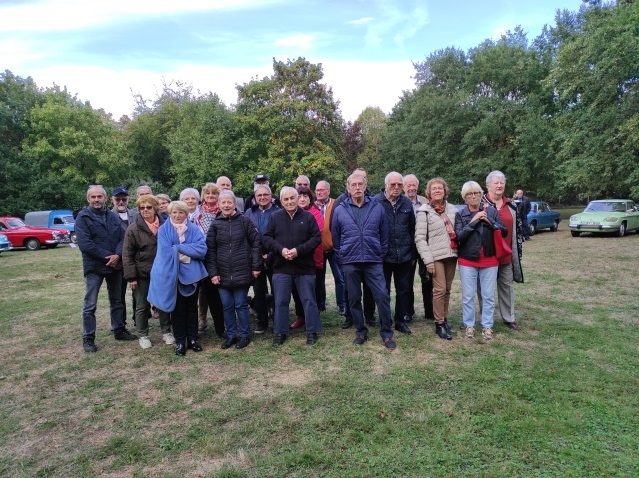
542 217
5 244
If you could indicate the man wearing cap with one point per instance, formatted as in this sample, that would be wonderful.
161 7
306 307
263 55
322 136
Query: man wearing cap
100 239
260 180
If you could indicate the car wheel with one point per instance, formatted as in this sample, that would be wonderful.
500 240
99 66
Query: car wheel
575 233
622 230
73 238
555 226
532 228
32 244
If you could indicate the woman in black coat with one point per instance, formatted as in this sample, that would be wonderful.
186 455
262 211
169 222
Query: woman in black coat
233 260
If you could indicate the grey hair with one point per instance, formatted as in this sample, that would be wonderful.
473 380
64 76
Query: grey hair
193 191
143 186
353 176
469 187
393 173
301 176
286 189
411 176
328 186
262 186
494 174
226 193
97 186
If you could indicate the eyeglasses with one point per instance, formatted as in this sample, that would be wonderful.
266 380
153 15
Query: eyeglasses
121 199
145 208
474 193
265 195
437 189
395 185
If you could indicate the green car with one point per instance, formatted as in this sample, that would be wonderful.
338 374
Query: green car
606 215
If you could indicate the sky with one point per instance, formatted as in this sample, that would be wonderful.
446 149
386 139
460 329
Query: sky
106 51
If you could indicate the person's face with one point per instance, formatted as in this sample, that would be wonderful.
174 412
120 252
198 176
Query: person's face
357 188
120 202
289 201
472 199
496 188
394 187
322 192
178 216
225 183
263 198
437 192
191 201
163 205
95 198
227 206
210 197
410 186
144 192
301 182
146 211
303 201
520 193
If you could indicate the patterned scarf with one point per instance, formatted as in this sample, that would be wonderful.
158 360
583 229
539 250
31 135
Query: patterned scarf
439 209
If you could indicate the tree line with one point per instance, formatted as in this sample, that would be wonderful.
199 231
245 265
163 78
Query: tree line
559 115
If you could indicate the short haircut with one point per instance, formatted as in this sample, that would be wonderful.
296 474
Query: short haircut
301 176
470 187
97 186
162 196
286 189
179 205
148 199
263 186
356 175
408 177
325 183
186 191
143 186
437 181
494 174
210 187
227 193
393 173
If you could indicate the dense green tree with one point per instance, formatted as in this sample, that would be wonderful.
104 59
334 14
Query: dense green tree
373 122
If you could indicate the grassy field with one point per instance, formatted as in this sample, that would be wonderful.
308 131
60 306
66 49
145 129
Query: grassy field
557 398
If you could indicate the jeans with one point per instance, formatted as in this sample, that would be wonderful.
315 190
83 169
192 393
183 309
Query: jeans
184 318
372 273
234 300
282 289
470 277
92 283
143 310
402 274
338 278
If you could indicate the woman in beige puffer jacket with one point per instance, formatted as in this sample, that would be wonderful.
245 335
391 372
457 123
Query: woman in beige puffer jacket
436 243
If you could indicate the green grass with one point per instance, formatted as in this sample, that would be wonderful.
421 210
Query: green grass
558 398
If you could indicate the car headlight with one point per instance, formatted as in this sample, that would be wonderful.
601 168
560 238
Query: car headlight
574 218
611 219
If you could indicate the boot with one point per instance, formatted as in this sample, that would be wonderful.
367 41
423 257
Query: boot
448 328
440 329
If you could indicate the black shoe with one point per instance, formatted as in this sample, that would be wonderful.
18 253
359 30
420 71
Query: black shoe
372 322
389 343
512 325
402 327
311 338
347 324
342 311
279 339
260 329
221 336
195 345
180 349
440 329
228 343
243 342
124 334
360 339
322 308
408 318
88 345
450 330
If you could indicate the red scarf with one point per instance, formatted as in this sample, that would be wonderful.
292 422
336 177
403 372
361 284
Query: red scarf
440 209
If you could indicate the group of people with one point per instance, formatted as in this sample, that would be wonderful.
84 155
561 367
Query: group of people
202 253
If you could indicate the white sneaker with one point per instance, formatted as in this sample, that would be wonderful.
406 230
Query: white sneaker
168 338
145 343
487 333
470 333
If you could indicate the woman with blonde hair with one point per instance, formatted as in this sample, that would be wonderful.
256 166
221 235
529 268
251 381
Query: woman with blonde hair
436 243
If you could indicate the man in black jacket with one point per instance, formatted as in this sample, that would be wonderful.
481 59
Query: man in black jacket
100 239
523 208
292 235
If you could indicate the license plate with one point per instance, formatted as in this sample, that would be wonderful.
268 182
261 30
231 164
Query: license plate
590 223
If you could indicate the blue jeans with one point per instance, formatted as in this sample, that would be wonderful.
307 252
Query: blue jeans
372 273
470 278
92 283
234 300
282 289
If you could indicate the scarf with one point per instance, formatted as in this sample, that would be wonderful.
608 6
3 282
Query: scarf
214 209
153 226
440 209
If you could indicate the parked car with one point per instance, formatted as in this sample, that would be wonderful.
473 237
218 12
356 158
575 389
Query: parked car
33 238
541 216
57 219
5 244
606 215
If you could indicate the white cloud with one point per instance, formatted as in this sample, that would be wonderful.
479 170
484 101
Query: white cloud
361 21
300 41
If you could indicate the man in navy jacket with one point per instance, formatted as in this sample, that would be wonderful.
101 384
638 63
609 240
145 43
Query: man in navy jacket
100 238
360 239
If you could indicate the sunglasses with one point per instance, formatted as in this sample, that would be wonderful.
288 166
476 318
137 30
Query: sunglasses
145 208
121 199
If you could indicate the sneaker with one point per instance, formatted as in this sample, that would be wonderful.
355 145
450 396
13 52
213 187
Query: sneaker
168 338
88 345
145 343
311 338
487 333
389 343
299 321
470 333
124 334
279 339
260 329
360 339
243 342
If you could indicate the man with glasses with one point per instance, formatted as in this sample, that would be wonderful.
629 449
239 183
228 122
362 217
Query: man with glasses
120 200
260 180
100 239
360 240
398 261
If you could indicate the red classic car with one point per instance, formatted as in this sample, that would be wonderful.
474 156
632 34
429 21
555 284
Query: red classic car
33 238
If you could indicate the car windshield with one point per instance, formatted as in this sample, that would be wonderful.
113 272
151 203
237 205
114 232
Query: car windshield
606 207
15 223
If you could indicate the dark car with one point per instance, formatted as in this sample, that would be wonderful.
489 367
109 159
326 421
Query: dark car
33 238
542 217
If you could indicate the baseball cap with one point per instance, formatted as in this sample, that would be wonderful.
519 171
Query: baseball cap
120 190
